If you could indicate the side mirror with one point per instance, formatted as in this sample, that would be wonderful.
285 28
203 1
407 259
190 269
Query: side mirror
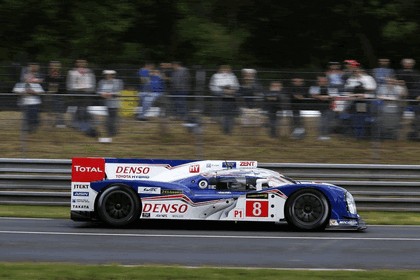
260 182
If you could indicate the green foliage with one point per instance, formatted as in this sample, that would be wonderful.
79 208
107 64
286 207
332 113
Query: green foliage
399 30
268 33
210 41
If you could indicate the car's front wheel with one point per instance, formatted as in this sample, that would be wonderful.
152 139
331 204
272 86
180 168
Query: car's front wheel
307 209
118 206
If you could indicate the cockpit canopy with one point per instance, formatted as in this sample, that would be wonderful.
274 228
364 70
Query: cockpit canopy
246 179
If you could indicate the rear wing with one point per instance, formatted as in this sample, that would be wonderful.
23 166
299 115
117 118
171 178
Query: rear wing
97 169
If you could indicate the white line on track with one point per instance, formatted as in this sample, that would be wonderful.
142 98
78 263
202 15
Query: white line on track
210 236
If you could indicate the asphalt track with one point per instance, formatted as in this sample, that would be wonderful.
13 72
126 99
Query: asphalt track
208 244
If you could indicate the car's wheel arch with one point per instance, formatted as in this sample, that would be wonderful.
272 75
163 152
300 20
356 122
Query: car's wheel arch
122 186
325 195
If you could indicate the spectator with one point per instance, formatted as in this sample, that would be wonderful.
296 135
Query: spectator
390 95
197 104
360 84
81 83
324 95
54 83
166 73
110 88
32 73
252 95
335 76
383 72
411 77
224 86
181 86
274 100
298 97
30 100
155 90
224 78
144 88
362 111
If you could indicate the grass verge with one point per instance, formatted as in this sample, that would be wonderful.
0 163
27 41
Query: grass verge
63 212
91 272
163 138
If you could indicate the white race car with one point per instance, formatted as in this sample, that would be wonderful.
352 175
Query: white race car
122 191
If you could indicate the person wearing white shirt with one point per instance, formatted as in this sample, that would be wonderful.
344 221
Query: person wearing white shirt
81 81
224 86
30 102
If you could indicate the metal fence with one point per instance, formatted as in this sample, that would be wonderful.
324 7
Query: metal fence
375 136
203 130
375 187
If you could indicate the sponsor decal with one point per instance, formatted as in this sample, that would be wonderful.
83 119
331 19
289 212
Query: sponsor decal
229 165
171 192
145 215
128 171
80 200
195 168
164 208
247 163
87 169
256 208
238 213
177 216
127 176
257 195
80 186
80 193
132 170
80 207
148 190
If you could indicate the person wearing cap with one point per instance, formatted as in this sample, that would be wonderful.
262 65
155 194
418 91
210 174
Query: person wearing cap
359 83
110 88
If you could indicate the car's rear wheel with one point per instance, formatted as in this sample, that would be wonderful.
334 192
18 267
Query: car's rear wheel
118 206
307 209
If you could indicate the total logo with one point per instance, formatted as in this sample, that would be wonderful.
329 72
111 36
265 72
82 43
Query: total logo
87 168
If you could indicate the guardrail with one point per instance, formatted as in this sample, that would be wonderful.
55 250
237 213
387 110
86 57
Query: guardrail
375 187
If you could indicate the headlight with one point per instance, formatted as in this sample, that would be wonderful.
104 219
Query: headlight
351 205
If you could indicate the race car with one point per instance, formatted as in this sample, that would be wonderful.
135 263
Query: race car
120 192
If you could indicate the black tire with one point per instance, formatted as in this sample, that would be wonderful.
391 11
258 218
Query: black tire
118 206
308 210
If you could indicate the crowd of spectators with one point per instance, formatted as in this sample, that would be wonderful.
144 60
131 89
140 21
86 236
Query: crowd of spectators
350 100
